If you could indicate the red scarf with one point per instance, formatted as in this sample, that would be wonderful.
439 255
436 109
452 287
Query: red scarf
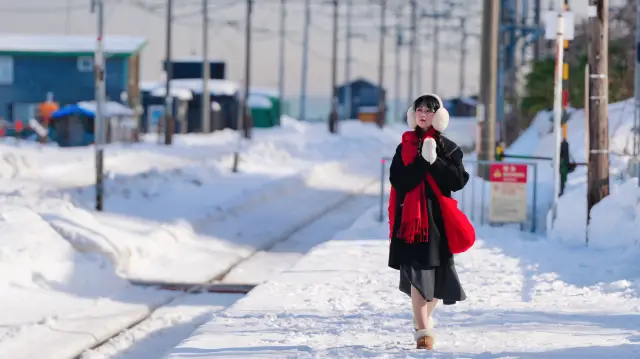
415 218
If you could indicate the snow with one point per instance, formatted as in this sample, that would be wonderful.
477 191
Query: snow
615 220
179 87
259 101
179 215
172 214
527 298
111 108
68 44
462 130
179 93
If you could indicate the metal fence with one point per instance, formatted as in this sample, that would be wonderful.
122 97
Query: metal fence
474 199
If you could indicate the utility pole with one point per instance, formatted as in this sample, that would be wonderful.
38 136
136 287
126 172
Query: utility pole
598 174
396 90
168 100
412 52
243 126
488 82
636 122
536 20
381 95
348 98
564 144
436 48
247 120
463 55
305 61
206 94
100 95
283 30
557 111
333 116
418 61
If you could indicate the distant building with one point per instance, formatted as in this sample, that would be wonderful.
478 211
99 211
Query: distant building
461 106
33 66
191 68
364 98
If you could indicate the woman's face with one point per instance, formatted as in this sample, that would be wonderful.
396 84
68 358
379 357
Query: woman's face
424 117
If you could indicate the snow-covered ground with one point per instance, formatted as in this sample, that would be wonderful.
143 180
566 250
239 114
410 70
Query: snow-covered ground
527 298
177 214
172 214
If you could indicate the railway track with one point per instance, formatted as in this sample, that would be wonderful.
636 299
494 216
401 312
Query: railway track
218 284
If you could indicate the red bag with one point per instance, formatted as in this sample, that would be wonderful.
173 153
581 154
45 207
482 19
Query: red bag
460 232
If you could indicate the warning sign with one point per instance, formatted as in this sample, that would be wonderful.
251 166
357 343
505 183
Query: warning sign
508 193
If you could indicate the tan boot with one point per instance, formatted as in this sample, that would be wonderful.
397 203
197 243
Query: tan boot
425 339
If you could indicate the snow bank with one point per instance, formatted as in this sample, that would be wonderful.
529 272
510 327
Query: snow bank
570 226
55 296
318 309
616 219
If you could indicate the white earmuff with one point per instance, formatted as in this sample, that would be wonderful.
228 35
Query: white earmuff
440 118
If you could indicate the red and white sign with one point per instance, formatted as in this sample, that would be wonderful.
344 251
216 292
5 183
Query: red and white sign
508 193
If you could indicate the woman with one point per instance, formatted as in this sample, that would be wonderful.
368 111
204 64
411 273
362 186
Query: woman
419 248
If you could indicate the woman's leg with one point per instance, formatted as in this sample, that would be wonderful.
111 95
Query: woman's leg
431 306
420 308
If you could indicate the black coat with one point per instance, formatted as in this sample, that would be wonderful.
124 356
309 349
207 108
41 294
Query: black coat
450 175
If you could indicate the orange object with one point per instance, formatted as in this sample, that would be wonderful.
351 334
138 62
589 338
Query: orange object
47 109
18 126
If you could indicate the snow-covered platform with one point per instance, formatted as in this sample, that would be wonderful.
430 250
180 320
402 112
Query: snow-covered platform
528 298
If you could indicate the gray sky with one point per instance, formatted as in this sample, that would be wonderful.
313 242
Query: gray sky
128 17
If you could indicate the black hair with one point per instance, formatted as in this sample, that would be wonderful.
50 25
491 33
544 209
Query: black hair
428 101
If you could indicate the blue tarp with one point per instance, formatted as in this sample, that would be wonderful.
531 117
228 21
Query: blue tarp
69 110
111 109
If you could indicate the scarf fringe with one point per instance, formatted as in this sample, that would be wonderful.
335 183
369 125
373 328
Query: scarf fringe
413 231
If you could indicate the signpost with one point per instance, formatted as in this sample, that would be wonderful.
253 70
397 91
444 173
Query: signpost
508 193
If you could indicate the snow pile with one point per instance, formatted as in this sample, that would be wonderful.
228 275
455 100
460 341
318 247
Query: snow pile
617 217
462 130
342 301
54 295
570 225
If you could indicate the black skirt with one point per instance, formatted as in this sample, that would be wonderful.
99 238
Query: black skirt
440 282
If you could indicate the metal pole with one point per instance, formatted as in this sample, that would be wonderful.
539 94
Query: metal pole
168 100
333 116
536 22
100 95
598 174
436 48
463 56
396 90
206 94
557 111
534 223
248 125
305 61
348 98
381 95
242 126
383 165
636 136
418 61
412 51
283 24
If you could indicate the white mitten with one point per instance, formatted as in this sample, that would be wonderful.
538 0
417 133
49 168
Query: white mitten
429 150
